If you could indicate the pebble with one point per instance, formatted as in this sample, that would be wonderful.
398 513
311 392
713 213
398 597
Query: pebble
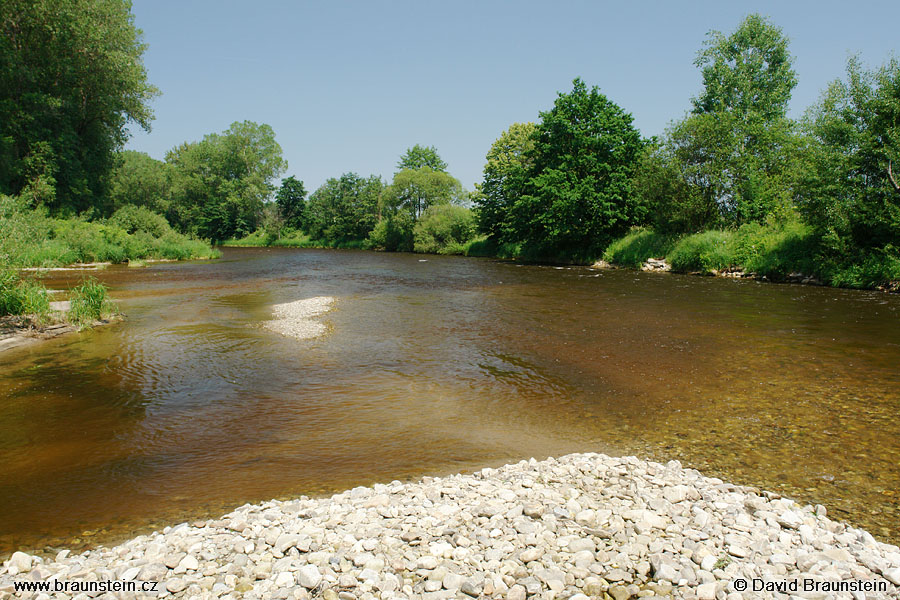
578 527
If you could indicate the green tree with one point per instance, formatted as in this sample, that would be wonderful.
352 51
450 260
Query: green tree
443 229
291 202
414 191
71 80
345 208
579 195
140 180
505 174
421 156
223 181
746 139
850 191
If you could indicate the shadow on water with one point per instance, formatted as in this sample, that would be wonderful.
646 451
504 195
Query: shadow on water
191 407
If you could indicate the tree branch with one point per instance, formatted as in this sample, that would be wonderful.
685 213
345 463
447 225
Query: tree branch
891 176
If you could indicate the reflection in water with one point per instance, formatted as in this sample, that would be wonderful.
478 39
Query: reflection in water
191 407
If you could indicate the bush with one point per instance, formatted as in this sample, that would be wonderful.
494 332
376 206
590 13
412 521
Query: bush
705 252
394 233
634 249
89 302
444 229
776 250
134 219
22 297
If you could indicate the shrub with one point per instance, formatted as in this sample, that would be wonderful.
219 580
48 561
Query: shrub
133 219
776 250
89 302
705 252
443 229
634 249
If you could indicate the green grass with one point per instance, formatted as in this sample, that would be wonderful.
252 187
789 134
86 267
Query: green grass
703 252
634 249
89 302
485 247
776 251
23 297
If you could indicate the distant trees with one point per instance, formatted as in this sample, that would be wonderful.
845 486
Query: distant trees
71 79
139 180
290 200
222 181
344 208
421 156
505 174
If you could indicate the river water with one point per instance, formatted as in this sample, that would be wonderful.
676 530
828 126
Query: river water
433 365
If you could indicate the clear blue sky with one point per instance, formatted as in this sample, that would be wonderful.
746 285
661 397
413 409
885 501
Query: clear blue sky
348 86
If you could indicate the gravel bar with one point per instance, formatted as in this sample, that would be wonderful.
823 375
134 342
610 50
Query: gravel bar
295 319
581 526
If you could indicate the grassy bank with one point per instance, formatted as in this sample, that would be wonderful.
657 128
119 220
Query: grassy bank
776 252
29 238
28 299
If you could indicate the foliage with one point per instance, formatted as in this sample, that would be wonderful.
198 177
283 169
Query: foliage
850 191
133 219
704 252
579 193
505 175
344 208
444 229
71 80
291 202
89 302
393 233
731 160
413 191
22 297
139 180
776 250
222 182
634 249
418 157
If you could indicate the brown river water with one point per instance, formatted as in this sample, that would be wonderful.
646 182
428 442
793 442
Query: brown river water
433 365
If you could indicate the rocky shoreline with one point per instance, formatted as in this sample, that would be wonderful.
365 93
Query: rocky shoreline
581 526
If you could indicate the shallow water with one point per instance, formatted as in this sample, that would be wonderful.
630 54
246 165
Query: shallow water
436 365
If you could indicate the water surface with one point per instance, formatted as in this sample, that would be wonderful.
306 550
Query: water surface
435 365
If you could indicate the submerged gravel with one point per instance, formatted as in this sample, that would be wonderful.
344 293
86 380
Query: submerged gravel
581 526
295 319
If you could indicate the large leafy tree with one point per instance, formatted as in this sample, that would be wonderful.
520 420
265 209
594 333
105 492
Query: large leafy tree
422 156
344 208
738 128
505 174
579 195
291 202
222 181
414 190
71 80
851 187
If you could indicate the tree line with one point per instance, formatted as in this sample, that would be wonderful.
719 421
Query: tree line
566 187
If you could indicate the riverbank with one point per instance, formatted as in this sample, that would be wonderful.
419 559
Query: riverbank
584 525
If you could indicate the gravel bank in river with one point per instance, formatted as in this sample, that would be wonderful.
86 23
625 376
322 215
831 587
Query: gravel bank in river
584 525
295 319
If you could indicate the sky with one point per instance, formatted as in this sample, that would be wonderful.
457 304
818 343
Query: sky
349 86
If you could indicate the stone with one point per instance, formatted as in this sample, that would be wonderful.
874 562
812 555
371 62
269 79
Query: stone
176 585
20 561
452 581
309 576
706 591
516 592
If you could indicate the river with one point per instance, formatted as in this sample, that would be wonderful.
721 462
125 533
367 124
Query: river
433 365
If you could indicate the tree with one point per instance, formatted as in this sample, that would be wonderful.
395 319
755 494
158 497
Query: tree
443 229
505 175
139 180
420 156
71 80
345 208
579 193
414 191
223 181
291 202
851 190
746 139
